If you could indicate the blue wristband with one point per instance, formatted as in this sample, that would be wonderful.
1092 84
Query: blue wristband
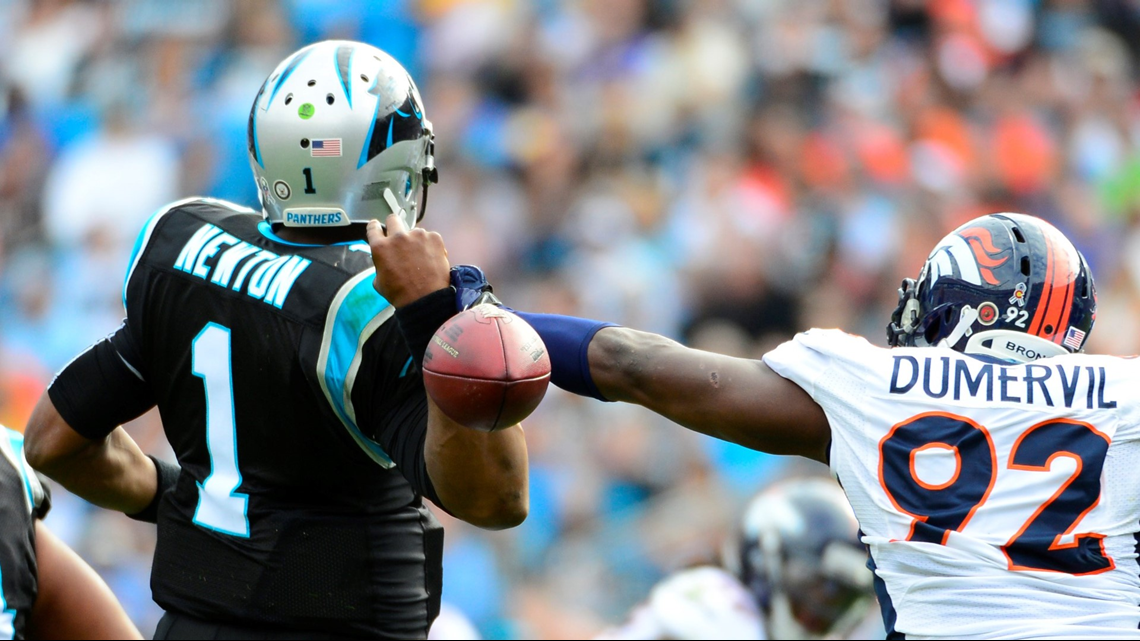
567 341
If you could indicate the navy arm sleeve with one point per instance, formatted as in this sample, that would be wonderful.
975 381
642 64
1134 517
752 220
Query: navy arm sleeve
103 387
567 340
391 405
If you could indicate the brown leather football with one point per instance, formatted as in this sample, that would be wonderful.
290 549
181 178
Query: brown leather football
486 368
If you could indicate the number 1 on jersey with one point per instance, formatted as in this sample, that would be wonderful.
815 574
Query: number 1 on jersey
220 506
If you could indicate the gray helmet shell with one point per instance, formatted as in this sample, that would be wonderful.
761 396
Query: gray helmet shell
337 135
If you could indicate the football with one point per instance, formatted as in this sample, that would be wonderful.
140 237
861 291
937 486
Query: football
486 368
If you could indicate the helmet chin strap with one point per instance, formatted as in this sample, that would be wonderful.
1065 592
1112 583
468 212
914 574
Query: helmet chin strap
1009 345
1005 344
966 320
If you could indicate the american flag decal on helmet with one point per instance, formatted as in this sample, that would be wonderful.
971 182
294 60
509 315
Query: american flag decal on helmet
327 147
1073 338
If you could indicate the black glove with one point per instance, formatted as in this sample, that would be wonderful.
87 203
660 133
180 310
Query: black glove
167 479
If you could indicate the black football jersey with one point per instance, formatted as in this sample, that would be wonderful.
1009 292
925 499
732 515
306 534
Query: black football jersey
289 398
23 499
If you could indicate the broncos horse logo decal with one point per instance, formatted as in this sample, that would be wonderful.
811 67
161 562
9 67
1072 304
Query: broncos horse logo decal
969 255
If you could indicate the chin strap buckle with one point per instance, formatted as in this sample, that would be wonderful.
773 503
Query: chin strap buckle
904 320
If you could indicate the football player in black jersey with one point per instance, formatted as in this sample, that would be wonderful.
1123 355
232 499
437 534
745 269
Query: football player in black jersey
46 590
285 382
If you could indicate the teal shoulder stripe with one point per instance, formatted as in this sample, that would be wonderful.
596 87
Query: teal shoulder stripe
143 239
353 317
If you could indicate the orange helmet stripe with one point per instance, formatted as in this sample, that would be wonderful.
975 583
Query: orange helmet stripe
1046 290
1062 269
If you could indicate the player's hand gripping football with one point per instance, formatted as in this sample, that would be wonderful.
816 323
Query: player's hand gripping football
410 263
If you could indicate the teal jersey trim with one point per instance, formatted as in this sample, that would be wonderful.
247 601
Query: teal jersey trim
267 230
353 317
142 241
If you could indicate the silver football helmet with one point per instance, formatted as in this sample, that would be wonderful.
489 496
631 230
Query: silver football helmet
337 135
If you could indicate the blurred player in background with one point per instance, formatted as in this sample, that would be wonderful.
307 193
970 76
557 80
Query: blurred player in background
46 590
991 465
285 384
452 625
793 569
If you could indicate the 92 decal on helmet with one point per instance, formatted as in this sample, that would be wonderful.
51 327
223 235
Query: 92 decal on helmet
1019 266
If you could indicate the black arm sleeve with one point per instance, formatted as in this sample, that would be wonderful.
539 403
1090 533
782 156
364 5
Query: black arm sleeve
167 478
102 388
391 405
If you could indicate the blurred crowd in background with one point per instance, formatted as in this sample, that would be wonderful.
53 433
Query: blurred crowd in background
725 172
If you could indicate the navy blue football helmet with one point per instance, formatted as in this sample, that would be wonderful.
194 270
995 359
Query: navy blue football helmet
798 551
1006 285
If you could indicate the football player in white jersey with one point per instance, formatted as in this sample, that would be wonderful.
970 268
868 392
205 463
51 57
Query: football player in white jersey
992 466
793 569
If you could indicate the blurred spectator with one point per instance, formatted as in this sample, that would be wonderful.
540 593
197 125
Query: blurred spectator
726 172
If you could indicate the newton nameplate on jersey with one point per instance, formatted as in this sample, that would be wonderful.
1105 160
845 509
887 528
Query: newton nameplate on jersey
266 276
1031 383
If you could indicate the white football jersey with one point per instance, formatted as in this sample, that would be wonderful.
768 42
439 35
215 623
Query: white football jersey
997 500
696 603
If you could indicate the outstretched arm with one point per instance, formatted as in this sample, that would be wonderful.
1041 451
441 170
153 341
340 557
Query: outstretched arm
733 399
73 602
479 477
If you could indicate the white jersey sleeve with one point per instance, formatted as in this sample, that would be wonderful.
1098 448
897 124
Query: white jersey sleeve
997 500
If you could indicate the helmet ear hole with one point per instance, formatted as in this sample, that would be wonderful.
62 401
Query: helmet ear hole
330 98
1024 265
289 99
